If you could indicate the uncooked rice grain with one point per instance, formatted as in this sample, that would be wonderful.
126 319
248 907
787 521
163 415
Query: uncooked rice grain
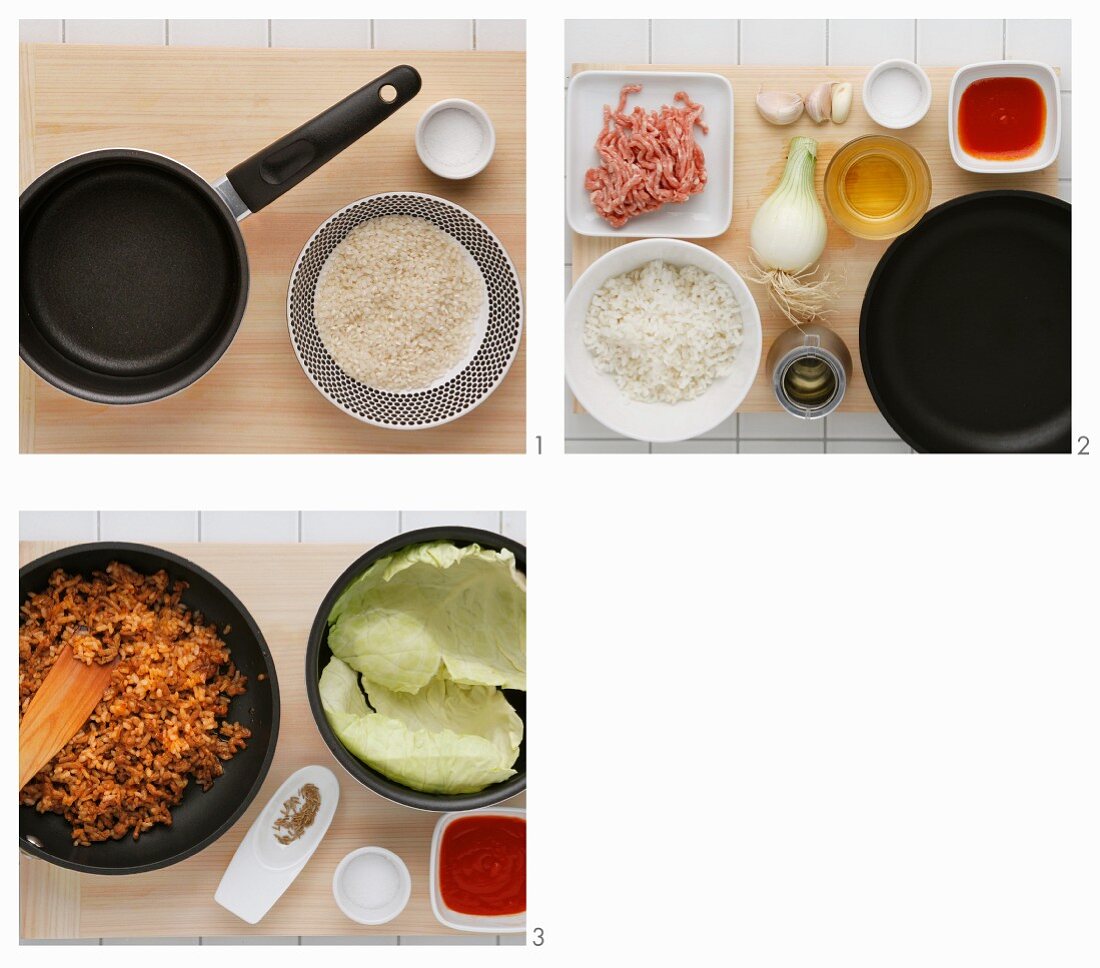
664 332
397 303
163 717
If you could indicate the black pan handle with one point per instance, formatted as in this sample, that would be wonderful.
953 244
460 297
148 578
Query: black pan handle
280 166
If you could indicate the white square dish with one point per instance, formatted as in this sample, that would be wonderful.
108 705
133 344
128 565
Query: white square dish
1045 77
500 924
702 216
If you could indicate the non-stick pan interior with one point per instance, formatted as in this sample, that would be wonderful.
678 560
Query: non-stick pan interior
132 274
201 816
965 333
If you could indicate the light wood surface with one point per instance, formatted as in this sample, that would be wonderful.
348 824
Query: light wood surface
759 155
63 703
282 586
210 108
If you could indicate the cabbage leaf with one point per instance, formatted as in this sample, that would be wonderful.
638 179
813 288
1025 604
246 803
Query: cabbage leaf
447 738
432 605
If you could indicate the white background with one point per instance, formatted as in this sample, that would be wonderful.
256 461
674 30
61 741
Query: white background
789 713
810 42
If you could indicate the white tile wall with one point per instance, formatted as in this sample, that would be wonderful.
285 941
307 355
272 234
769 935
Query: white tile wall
854 42
321 33
1041 40
58 526
424 34
500 34
859 42
698 446
783 42
695 41
251 526
40 32
606 41
342 527
865 447
380 34
365 527
487 520
959 41
217 33
781 446
149 526
116 31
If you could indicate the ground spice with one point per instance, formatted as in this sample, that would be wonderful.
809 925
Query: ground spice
299 812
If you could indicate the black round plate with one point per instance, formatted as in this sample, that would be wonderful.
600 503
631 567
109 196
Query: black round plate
132 276
318 655
965 331
201 817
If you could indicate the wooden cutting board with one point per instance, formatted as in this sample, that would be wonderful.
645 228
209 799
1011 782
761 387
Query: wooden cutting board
211 108
759 156
282 586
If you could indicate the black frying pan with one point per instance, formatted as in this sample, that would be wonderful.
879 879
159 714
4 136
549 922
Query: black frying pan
133 275
965 331
201 817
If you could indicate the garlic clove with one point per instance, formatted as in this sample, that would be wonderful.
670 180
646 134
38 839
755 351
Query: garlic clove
819 103
779 107
842 102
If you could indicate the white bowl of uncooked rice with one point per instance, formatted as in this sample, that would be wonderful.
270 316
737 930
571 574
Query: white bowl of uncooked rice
662 340
404 310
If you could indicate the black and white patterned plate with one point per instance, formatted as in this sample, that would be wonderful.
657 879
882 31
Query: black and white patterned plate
498 332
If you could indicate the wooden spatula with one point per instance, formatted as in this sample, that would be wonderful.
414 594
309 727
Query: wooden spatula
61 706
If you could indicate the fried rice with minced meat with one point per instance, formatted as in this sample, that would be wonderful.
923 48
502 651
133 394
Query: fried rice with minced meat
162 719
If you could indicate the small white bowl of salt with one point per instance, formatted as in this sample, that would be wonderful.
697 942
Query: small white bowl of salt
372 885
455 138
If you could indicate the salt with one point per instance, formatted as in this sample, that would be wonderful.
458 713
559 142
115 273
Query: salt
454 137
371 881
896 93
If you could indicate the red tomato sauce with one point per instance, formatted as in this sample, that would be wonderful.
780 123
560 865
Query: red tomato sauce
483 865
1002 118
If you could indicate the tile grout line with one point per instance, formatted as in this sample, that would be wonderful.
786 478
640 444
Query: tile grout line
269 32
473 33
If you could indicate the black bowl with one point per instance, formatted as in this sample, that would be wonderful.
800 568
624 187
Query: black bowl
318 655
201 817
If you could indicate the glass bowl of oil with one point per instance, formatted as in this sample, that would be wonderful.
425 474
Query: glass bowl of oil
877 187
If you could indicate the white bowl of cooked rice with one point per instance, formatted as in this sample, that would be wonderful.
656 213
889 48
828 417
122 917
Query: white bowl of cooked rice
662 340
404 310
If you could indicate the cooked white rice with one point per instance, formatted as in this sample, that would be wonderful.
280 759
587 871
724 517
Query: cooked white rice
397 303
664 332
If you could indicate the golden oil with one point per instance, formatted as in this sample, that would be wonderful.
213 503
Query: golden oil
877 187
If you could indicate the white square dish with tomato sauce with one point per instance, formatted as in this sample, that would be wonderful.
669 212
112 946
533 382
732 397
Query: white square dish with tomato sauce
704 215
478 870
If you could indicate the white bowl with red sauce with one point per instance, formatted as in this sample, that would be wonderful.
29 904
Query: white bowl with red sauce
1004 116
478 870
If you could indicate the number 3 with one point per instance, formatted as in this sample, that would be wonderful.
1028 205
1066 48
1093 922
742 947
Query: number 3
538 936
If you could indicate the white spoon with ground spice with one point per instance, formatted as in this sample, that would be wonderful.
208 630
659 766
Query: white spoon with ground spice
279 843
